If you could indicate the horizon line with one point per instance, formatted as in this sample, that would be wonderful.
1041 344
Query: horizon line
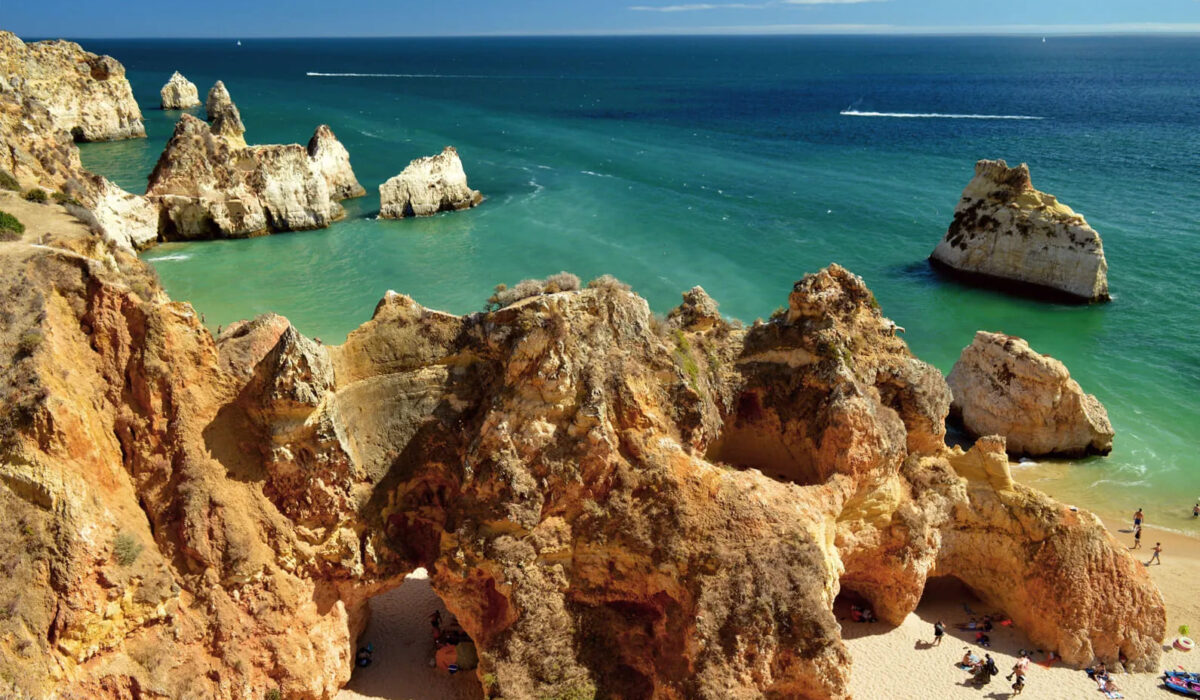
850 30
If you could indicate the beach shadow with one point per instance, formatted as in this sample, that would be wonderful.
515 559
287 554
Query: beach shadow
921 645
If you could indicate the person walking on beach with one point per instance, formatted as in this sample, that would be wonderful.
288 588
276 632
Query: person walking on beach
1020 668
939 630
1137 537
1196 510
1018 685
1137 519
1157 551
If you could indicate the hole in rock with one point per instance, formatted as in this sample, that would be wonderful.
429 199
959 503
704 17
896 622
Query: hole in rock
752 438
406 660
948 599
856 615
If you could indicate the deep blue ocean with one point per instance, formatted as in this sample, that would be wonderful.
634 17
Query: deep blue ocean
727 162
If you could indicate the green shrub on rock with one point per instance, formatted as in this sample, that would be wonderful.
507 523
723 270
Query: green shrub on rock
10 228
8 182
36 195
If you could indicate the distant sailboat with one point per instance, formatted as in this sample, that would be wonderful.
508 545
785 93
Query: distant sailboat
1043 40
240 42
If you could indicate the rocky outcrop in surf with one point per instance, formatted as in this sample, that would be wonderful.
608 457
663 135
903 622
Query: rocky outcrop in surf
1007 233
427 186
1003 387
86 96
179 93
331 158
610 505
210 187
224 115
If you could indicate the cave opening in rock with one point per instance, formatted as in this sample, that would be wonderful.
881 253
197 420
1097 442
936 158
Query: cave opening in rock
403 649
856 614
754 437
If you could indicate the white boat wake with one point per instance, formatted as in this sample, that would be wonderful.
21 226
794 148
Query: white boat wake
932 115
313 74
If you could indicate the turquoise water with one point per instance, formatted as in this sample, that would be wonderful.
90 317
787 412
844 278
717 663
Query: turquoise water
725 162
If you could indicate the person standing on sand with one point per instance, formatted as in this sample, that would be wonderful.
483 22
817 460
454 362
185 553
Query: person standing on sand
1137 537
1137 519
1196 510
1157 551
939 630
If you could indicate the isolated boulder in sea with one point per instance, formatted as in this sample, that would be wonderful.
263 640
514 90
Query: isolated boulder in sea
211 187
86 95
332 159
224 115
179 93
1007 233
1001 386
427 186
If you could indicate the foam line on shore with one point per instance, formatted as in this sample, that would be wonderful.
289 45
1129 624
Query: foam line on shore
168 258
934 115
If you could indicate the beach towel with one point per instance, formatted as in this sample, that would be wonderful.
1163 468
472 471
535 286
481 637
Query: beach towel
1113 694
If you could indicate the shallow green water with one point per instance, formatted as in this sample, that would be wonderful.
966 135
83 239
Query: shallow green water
726 163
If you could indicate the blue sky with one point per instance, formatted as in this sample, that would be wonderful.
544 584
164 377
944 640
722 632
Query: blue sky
246 18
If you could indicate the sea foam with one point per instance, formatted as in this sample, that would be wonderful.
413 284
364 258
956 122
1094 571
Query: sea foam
932 115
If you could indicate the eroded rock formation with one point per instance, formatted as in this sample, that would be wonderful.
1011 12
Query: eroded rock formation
38 153
179 93
427 186
1008 233
1001 386
224 115
608 504
209 186
86 95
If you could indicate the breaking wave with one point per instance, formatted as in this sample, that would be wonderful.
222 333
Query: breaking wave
932 115
313 74
167 258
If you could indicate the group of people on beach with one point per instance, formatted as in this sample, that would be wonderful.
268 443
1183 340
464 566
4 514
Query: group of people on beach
861 613
1138 517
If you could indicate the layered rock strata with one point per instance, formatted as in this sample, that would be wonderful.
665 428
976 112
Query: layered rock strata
1001 386
209 186
86 95
427 186
611 506
179 93
1006 232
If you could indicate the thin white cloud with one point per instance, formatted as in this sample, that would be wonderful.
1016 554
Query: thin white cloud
958 30
699 6
694 7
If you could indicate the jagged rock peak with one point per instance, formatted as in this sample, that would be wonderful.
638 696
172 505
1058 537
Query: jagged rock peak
1001 386
1009 234
224 115
427 186
212 186
85 94
697 312
333 161
179 93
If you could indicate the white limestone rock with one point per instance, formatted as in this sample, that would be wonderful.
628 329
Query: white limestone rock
332 159
427 186
129 220
1008 233
179 93
1002 387
86 95
224 115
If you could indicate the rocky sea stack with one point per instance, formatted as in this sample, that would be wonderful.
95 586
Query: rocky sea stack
427 186
86 95
210 186
179 93
1005 233
1002 387
224 115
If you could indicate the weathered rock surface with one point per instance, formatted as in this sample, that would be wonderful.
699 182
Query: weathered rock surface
607 507
179 93
333 161
1005 231
39 154
427 186
224 115
209 186
86 95
1002 387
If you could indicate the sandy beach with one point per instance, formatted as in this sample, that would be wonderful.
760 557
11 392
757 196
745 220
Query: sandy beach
901 663
403 648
